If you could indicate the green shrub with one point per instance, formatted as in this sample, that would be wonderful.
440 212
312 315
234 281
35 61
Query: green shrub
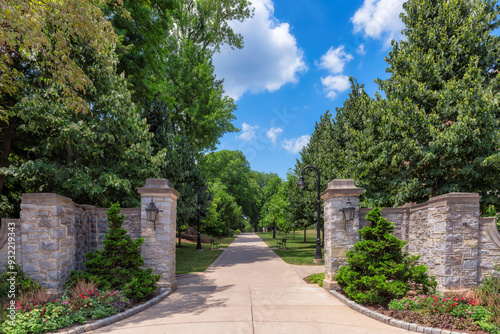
118 265
316 278
377 268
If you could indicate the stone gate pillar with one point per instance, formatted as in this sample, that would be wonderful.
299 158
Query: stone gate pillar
158 249
339 237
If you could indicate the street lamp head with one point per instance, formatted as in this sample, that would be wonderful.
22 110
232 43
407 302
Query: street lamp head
210 199
301 183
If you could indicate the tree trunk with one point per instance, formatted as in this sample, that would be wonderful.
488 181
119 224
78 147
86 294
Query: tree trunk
305 229
293 234
4 157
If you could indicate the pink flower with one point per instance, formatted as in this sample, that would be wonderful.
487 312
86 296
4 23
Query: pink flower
470 312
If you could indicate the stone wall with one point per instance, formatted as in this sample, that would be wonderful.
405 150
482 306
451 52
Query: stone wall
53 235
458 247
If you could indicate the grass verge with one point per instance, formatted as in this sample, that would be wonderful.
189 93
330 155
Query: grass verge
189 260
298 251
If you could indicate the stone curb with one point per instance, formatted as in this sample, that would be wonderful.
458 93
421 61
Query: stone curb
119 316
388 320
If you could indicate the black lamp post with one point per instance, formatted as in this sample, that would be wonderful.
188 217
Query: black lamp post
318 257
198 241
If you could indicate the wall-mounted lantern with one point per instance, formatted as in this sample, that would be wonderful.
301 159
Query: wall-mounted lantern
348 213
152 213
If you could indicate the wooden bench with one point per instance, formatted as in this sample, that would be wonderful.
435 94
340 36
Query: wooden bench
281 243
214 244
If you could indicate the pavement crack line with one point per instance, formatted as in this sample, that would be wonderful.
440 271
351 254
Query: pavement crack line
251 306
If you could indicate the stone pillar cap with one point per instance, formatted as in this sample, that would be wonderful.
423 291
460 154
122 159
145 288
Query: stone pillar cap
341 187
342 184
157 186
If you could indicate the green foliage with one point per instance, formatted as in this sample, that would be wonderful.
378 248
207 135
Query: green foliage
232 169
436 130
377 268
300 205
72 127
224 214
316 278
489 292
118 265
35 316
178 162
276 206
23 283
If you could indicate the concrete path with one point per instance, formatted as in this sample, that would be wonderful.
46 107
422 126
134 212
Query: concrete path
249 289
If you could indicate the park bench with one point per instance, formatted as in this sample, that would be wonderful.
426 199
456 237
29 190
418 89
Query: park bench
281 243
214 244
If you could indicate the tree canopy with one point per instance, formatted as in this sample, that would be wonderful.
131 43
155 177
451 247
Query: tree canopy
434 128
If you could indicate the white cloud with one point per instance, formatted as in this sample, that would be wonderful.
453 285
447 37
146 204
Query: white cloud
273 134
295 145
335 59
333 84
379 19
269 59
361 50
248 132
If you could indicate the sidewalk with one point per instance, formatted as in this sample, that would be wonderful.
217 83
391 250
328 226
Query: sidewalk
249 289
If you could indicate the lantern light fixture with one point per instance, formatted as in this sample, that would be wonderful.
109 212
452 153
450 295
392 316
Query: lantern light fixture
348 213
152 213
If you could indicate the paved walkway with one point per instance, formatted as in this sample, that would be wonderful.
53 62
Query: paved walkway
249 289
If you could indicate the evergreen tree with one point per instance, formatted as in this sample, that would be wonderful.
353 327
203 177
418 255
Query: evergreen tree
377 269
118 265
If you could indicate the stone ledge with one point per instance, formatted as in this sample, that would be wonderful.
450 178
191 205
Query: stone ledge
119 316
388 320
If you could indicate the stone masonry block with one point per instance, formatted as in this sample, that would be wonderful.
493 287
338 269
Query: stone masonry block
48 222
27 228
30 248
58 233
470 264
57 210
48 265
55 275
30 268
49 245
59 255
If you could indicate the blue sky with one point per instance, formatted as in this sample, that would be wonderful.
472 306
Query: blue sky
295 65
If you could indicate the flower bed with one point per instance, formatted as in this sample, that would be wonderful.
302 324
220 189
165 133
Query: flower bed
35 316
456 313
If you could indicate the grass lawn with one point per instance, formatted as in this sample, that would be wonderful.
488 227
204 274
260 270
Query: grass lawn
297 251
189 260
